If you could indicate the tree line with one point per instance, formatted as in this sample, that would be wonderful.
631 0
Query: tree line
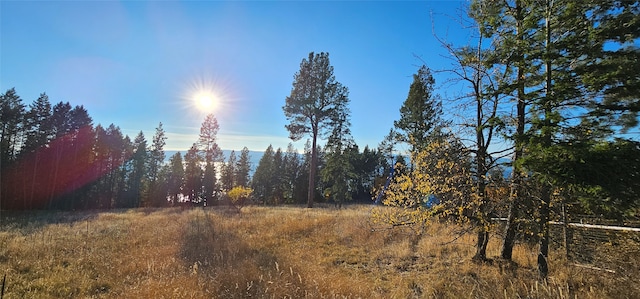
282 177
53 157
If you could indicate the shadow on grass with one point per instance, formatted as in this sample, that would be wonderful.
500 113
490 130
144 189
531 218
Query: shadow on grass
29 222
227 265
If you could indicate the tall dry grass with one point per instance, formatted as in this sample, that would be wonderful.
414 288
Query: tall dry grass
266 252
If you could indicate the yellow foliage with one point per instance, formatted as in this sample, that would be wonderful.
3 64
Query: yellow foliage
239 194
439 170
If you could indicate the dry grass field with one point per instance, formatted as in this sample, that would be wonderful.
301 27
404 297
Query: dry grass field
267 252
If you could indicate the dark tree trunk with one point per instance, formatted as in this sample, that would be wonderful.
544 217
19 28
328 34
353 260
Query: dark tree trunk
312 170
481 245
545 197
483 234
510 231
543 253
516 183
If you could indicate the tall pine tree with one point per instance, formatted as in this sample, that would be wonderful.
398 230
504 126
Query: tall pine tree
156 159
311 108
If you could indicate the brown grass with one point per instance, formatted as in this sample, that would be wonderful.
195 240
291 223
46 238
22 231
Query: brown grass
284 252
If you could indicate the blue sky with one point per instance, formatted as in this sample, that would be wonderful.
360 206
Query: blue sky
136 64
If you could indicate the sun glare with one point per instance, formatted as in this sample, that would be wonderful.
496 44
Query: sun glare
205 101
206 94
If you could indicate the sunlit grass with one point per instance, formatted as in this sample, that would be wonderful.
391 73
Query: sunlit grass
264 252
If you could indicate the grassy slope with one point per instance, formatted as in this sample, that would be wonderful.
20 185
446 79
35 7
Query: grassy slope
266 252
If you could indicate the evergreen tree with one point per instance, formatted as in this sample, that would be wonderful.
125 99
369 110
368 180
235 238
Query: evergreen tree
243 167
570 68
81 139
209 184
38 132
176 177
138 170
311 108
228 171
79 119
61 119
193 175
290 173
262 182
554 134
387 146
609 65
124 197
278 176
38 128
67 125
420 114
85 166
156 159
208 140
338 173
367 166
12 112
509 25
208 146
115 143
302 183
101 152
163 184
109 148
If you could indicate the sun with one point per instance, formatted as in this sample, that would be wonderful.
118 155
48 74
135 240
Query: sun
206 94
205 101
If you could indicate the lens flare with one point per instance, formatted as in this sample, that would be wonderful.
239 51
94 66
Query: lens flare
205 94
205 101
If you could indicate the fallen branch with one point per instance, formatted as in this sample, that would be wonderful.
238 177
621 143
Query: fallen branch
595 268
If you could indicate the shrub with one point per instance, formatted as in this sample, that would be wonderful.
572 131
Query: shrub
239 196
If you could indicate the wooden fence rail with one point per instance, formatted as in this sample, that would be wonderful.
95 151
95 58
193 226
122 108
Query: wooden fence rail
609 248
